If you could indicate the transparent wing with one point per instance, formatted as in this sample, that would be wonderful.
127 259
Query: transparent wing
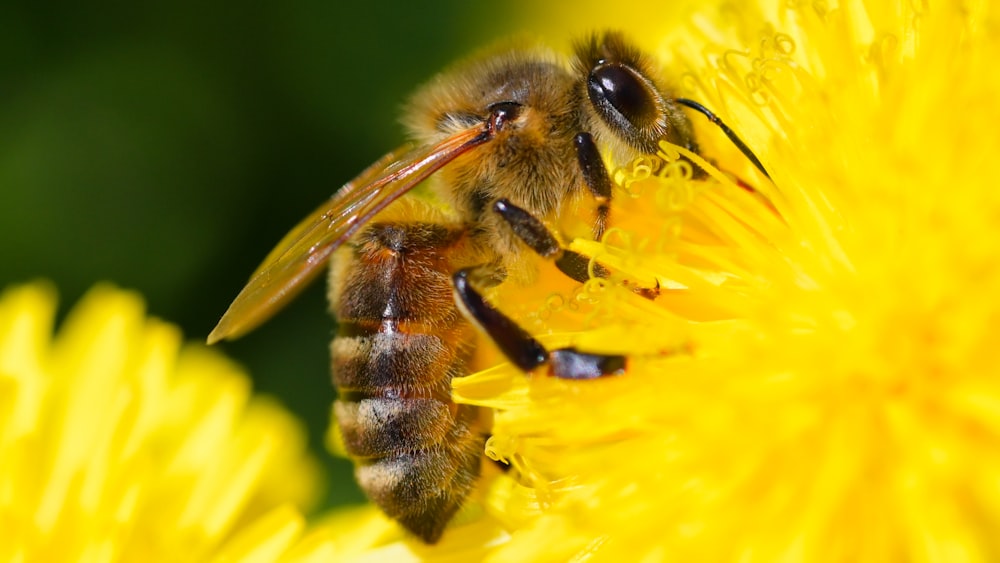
303 252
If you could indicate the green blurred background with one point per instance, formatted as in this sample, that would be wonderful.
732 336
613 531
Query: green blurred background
167 147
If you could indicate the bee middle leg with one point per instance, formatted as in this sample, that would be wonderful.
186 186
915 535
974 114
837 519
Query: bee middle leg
538 237
522 349
534 233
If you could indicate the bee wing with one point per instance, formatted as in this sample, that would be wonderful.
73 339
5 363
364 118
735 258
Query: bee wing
303 252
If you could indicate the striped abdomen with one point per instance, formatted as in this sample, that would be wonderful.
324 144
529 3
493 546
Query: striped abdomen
400 341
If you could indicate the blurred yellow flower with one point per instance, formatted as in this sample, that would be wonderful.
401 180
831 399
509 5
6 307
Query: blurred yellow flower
119 444
818 379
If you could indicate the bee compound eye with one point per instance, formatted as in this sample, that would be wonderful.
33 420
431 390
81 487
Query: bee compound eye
624 98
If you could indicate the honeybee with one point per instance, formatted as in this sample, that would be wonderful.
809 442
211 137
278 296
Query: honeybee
512 137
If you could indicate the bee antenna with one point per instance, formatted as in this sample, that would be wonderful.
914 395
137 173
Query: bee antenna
725 129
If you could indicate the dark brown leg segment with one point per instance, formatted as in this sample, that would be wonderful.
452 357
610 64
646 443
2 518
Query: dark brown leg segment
544 243
595 175
576 266
522 349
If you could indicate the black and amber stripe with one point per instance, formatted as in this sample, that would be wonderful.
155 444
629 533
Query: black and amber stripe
400 342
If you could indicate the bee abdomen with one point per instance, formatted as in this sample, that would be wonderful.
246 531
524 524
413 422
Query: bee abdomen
386 359
384 427
400 341
423 489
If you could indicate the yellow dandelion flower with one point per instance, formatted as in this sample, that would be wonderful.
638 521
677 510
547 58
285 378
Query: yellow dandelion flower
119 444
816 379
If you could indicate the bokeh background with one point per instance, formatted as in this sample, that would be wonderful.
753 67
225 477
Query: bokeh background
166 147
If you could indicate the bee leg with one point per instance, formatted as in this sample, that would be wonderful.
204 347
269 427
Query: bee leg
520 347
538 237
595 175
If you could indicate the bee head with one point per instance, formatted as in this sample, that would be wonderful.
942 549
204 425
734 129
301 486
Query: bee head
623 103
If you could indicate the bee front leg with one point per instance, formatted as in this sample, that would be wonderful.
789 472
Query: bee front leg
595 175
522 349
